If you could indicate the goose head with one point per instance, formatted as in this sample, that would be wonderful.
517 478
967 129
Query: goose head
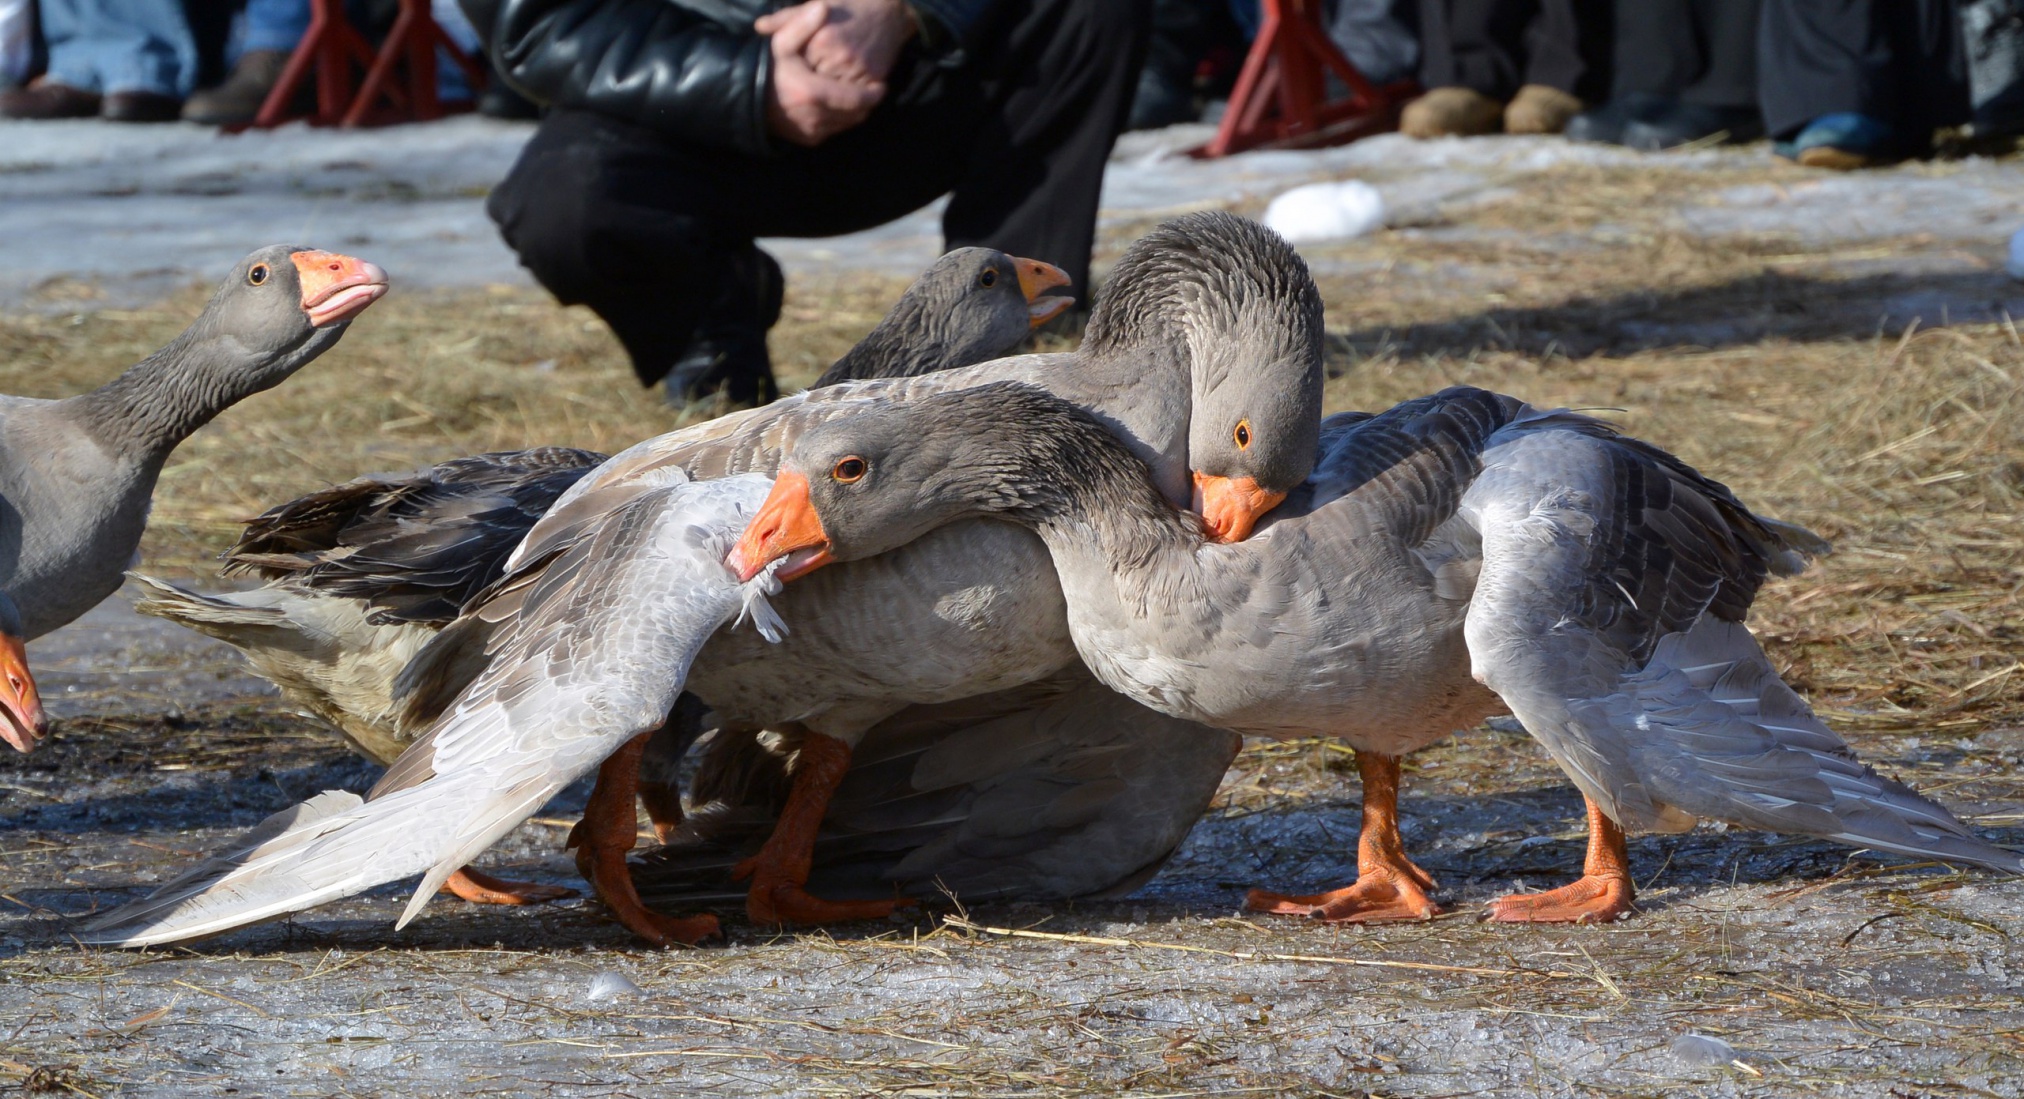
280 308
980 300
1250 318
882 477
22 723
970 306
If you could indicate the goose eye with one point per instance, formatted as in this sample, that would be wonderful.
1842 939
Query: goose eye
258 274
1243 435
989 278
848 471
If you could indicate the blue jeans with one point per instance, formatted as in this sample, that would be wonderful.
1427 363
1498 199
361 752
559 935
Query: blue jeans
274 24
111 46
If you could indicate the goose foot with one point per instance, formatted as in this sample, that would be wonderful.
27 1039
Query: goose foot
1586 900
607 831
779 872
479 887
1388 885
1381 894
1602 893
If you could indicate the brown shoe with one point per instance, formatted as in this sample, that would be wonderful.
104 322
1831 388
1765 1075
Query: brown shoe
238 99
45 98
141 107
1840 160
1538 109
1451 112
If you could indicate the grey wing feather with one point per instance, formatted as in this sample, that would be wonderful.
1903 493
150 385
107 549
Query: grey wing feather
598 656
416 546
1608 616
1061 788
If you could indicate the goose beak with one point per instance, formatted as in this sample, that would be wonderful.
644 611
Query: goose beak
1035 279
25 726
1231 506
336 288
786 526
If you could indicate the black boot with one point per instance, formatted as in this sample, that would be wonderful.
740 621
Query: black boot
727 355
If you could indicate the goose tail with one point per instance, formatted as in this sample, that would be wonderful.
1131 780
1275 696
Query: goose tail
1740 745
329 847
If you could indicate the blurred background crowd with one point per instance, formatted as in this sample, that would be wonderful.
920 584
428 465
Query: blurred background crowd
1834 83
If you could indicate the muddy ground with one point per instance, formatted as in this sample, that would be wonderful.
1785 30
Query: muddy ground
1736 310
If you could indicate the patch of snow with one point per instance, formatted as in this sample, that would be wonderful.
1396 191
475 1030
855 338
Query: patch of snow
1326 211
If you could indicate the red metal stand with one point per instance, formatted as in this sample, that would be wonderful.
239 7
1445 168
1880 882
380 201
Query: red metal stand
1281 96
410 46
336 52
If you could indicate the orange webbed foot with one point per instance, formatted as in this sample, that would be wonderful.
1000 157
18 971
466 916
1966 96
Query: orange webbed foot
604 867
1593 898
479 887
1375 897
775 897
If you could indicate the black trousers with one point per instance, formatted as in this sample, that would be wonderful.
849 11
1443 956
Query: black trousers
1497 46
1901 61
655 234
1695 51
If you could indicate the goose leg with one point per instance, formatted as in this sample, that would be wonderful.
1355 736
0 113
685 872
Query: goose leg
1388 885
779 872
607 831
479 887
1602 893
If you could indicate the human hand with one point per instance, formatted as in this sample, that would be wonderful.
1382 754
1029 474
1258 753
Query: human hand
860 40
804 106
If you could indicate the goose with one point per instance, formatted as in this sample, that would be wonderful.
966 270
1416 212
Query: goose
1058 789
1453 553
1210 324
77 475
1209 321
598 653
361 575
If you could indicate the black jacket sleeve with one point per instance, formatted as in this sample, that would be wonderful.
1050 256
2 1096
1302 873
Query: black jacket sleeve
647 61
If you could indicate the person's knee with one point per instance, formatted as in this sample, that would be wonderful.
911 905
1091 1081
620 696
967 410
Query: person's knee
550 208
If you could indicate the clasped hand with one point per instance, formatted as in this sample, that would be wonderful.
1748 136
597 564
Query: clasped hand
830 62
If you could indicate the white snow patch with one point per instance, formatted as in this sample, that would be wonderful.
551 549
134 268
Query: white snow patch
1326 211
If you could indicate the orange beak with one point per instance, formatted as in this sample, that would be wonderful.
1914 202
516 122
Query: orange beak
1035 279
786 526
1231 506
25 726
336 288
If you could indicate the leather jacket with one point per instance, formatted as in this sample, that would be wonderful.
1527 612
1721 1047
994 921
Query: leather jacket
692 69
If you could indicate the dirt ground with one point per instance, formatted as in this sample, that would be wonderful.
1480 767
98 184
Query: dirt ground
1856 372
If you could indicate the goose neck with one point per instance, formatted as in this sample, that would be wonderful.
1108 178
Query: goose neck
163 399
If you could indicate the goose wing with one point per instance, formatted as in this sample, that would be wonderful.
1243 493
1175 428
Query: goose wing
598 655
1060 788
1608 615
415 547
744 442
